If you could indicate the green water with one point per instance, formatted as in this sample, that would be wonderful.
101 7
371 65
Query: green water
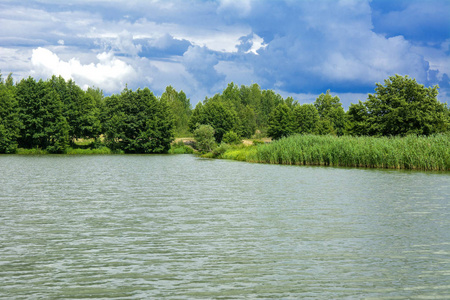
180 227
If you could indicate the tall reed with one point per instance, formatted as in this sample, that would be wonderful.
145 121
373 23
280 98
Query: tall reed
411 152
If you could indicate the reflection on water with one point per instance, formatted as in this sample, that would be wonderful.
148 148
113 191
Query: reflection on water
180 227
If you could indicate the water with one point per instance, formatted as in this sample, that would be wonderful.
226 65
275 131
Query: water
180 227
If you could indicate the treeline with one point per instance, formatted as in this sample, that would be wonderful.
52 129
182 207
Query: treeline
400 107
55 114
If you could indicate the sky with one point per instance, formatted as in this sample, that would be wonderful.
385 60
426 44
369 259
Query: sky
298 48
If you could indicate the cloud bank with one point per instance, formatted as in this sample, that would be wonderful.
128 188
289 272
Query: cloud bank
298 48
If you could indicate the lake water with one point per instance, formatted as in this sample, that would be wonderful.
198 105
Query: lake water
181 227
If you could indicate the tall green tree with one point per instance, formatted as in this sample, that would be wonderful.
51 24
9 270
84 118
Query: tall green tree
331 113
402 106
306 119
357 119
281 122
247 118
181 109
215 113
80 108
9 118
41 113
137 122
269 101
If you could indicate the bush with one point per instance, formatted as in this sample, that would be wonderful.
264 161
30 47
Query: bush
204 138
231 138
180 148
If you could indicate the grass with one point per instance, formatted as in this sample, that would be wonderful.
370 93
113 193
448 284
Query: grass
411 152
180 148
94 151
34 151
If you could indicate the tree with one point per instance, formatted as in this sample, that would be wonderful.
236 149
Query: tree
213 112
331 113
9 118
231 137
281 122
204 138
269 101
41 113
306 118
357 119
248 121
402 106
181 109
137 122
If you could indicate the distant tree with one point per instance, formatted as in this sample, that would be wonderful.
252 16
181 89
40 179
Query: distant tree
9 118
247 121
281 123
232 95
331 113
357 119
306 119
181 109
215 113
41 113
402 106
137 122
204 138
269 101
231 137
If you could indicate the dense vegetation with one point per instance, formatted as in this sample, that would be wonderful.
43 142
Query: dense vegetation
52 116
411 152
57 116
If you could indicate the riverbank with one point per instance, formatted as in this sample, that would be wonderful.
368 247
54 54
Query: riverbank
415 153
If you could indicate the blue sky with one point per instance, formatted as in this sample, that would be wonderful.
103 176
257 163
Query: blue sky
297 48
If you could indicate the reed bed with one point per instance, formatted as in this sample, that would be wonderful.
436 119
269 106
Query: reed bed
94 151
411 152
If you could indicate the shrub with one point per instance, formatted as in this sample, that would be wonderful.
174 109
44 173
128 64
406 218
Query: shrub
204 138
231 137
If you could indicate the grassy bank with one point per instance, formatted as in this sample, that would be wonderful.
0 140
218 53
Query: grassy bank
411 152
83 148
70 151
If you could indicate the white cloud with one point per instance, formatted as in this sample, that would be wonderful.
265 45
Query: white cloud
200 62
256 43
294 46
109 73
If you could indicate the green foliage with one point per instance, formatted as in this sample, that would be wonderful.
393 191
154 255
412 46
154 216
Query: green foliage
41 113
247 118
402 106
94 151
180 148
137 122
204 138
399 107
181 109
216 114
9 118
245 109
357 119
257 142
231 137
430 153
241 153
306 119
32 151
331 114
281 122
